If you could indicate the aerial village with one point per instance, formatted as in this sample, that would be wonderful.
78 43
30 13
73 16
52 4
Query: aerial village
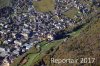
26 26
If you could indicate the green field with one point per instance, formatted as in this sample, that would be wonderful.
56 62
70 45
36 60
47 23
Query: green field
71 13
4 3
44 5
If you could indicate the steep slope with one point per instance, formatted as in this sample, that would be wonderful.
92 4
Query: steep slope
85 45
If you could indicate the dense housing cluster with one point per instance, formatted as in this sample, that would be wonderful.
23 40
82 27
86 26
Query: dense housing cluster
22 27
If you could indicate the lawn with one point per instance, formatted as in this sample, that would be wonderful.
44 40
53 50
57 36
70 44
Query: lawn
44 5
71 13
4 3
31 58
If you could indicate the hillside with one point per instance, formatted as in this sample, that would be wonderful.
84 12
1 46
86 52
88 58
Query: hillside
85 45
35 32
